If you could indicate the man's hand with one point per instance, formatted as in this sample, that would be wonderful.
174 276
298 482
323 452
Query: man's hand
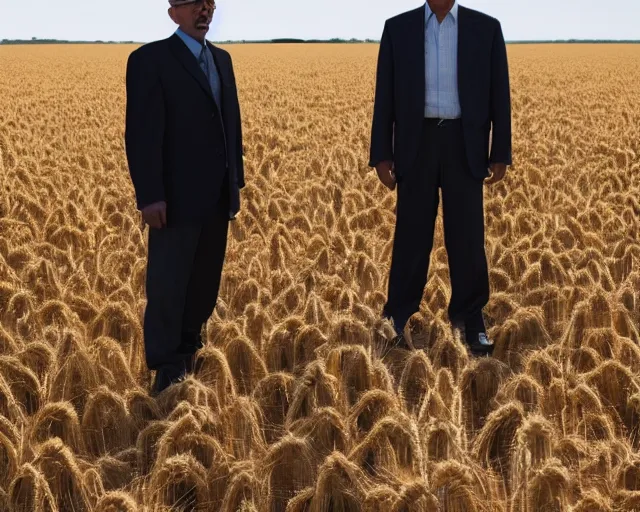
155 214
497 173
386 174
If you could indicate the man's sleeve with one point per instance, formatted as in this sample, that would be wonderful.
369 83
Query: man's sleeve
500 101
144 130
239 142
383 110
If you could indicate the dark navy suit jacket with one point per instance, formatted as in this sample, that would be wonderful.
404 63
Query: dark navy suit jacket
483 85
180 147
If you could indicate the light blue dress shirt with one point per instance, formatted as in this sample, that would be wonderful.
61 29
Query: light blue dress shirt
441 65
207 64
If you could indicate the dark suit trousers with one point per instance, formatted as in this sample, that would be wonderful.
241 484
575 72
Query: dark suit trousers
184 270
440 165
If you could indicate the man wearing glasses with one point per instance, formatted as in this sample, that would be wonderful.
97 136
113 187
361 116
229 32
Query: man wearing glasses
183 141
442 93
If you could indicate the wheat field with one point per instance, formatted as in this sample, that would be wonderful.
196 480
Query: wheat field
294 406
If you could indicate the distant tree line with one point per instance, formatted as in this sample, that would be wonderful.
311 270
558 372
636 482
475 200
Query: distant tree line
579 41
271 41
59 41
305 41
309 41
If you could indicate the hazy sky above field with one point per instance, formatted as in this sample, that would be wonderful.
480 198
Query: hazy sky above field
147 20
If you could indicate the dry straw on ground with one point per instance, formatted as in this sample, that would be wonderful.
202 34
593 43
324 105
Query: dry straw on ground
296 405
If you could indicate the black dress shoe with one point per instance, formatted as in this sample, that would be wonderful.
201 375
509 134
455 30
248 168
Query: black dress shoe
480 345
190 344
161 382
166 376
478 342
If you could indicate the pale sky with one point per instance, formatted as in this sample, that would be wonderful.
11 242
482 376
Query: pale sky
147 20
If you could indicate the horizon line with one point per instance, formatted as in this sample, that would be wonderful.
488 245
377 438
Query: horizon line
294 40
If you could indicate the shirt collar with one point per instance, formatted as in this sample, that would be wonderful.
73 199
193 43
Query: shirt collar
453 12
193 44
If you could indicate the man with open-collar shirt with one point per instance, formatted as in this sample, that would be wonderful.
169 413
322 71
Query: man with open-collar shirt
442 93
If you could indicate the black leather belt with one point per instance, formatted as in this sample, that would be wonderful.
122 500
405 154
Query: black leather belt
440 122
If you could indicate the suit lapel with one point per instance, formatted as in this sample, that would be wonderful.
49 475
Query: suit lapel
465 51
416 47
187 59
226 83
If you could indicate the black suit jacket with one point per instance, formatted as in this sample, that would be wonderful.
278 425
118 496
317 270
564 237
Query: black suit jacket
483 85
179 146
